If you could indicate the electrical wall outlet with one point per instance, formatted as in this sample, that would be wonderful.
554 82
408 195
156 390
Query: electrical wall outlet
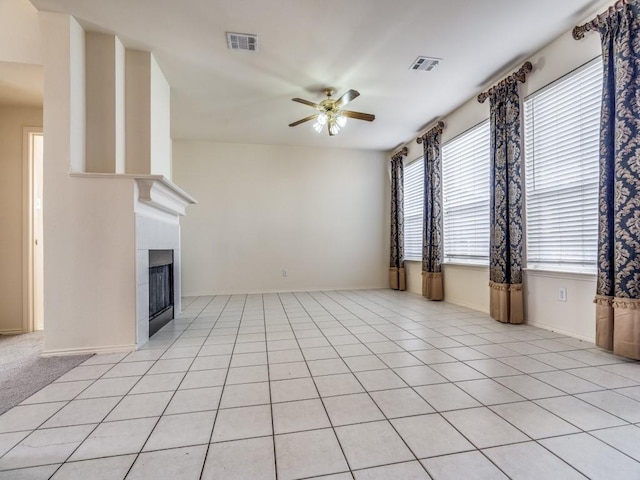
284 272
562 294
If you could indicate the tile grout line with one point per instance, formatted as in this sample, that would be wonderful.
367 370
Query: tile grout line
111 410
525 399
353 310
335 435
505 420
273 429
215 418
179 383
588 432
123 396
435 412
365 391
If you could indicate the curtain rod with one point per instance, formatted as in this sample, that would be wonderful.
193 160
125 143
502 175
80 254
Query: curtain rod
580 30
520 75
438 128
403 152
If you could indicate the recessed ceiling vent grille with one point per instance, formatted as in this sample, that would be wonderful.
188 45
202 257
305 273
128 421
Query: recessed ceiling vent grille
242 41
425 64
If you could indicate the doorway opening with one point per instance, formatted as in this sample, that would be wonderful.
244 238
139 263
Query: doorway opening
34 268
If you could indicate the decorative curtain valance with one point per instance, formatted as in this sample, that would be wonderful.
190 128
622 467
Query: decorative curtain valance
600 20
432 281
618 282
397 278
518 76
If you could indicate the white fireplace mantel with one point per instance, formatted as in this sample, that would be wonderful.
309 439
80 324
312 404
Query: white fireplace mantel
155 191
158 192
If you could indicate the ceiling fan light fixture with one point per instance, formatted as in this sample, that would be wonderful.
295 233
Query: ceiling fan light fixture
331 112
334 127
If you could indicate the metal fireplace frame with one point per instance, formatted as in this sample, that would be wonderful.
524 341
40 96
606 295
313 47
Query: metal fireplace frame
158 319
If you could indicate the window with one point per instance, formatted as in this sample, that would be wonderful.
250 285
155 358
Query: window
465 196
562 127
413 198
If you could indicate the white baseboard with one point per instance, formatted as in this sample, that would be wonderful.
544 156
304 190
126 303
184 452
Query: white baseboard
561 330
13 331
88 350
286 290
455 301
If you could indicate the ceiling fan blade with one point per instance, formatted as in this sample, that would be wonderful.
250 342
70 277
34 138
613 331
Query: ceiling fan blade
346 98
306 102
305 119
358 115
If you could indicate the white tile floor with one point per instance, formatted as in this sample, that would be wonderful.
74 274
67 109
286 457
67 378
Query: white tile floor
365 385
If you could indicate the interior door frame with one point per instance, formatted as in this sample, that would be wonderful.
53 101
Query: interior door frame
28 297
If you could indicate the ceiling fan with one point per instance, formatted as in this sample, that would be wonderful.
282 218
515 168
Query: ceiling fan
330 112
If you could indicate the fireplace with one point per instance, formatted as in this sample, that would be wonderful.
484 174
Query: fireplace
161 300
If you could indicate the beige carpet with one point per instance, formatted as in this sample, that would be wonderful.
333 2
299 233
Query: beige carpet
23 371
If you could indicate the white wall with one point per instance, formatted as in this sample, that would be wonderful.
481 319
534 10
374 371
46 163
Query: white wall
160 122
322 214
94 238
90 265
104 103
413 272
89 268
12 186
138 111
574 317
463 284
469 285
20 39
148 116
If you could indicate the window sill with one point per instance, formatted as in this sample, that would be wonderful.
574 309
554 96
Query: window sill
472 266
549 273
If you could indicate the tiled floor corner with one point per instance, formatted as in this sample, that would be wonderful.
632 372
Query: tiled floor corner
364 385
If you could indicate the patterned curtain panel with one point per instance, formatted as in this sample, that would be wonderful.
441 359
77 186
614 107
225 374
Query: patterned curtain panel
505 249
397 279
432 287
618 288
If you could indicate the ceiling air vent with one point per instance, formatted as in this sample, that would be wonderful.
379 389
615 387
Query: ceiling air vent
242 41
425 63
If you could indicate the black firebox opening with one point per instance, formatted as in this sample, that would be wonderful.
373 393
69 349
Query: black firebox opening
160 289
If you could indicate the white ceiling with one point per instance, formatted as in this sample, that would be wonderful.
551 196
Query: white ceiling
306 45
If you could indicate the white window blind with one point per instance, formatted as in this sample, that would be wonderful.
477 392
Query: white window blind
465 195
562 127
413 209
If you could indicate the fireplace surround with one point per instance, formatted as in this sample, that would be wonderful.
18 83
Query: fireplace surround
158 208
